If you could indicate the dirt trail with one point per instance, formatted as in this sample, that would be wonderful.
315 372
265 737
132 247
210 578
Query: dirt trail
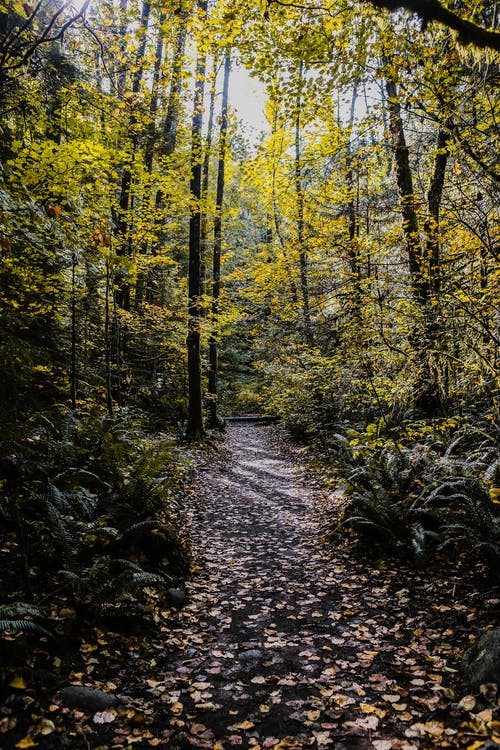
282 646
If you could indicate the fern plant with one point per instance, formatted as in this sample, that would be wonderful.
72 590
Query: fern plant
110 581
386 489
14 619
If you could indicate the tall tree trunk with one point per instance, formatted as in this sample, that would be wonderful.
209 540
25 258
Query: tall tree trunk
213 419
153 104
171 123
276 216
122 293
426 386
73 373
195 411
434 196
142 285
206 176
168 140
299 191
353 218
407 203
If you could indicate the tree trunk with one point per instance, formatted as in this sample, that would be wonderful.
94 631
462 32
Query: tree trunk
142 285
195 429
206 177
426 387
276 218
124 248
353 218
404 180
299 191
171 123
168 140
213 419
434 196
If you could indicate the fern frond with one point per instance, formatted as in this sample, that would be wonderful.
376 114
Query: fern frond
23 626
141 526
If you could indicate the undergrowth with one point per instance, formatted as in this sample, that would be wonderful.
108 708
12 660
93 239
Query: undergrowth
91 525
426 490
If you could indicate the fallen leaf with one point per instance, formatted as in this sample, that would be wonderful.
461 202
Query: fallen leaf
366 708
313 715
104 717
382 744
323 738
26 742
468 702
7 723
434 728
197 729
18 683
245 725
391 698
46 726
486 715
343 700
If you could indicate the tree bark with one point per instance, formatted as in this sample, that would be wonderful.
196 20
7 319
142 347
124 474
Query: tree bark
213 419
124 248
424 338
168 140
434 196
406 196
206 177
299 191
353 218
195 428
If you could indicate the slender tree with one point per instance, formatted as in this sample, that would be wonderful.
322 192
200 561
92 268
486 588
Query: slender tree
299 193
195 427
213 419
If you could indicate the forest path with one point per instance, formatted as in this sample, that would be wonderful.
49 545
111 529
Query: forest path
281 645
262 647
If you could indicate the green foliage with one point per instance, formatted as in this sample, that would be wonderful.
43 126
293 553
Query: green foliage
13 619
92 505
425 497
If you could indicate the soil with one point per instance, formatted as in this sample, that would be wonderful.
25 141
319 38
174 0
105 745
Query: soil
285 640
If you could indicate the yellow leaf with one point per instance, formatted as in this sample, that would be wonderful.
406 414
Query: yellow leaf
177 708
26 742
467 703
46 726
19 683
486 715
367 709
313 715
434 728
245 725
495 495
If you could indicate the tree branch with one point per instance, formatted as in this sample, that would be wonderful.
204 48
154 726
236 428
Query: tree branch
432 10
429 11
